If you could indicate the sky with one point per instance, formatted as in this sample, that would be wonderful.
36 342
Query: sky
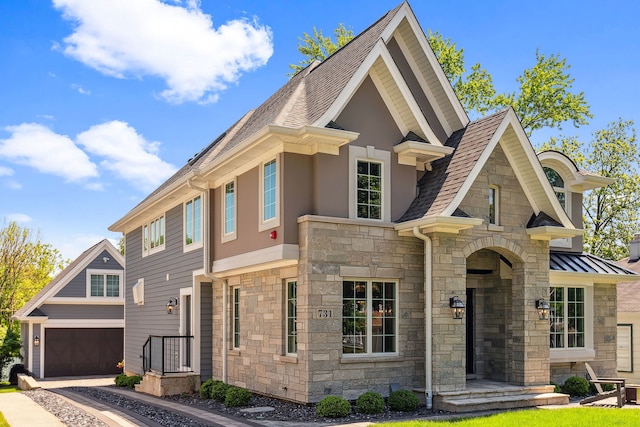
102 100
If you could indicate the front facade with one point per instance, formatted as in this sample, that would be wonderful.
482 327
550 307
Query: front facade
628 338
75 325
316 246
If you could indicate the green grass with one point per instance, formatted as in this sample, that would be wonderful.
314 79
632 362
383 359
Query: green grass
569 417
3 421
7 388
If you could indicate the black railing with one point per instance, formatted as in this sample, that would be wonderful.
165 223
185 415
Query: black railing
167 354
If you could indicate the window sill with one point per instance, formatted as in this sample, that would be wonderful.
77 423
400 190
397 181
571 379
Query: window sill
370 359
234 352
494 227
579 355
286 359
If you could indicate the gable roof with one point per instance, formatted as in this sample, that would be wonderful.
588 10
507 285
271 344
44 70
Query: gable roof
445 186
71 271
298 117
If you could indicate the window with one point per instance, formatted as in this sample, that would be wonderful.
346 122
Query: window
153 236
625 348
103 283
269 217
369 183
292 317
368 317
494 205
229 211
193 222
559 188
369 187
568 323
236 317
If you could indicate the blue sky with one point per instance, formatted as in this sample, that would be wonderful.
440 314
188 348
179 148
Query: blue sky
101 100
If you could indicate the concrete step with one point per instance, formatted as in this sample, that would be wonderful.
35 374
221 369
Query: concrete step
504 390
473 404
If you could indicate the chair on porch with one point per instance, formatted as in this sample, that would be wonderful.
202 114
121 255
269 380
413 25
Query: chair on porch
618 392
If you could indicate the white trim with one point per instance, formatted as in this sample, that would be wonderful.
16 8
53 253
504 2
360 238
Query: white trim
227 237
275 221
104 273
274 256
146 235
188 247
575 354
370 154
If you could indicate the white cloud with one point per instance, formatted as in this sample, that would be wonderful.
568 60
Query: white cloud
5 171
18 217
123 38
37 146
127 154
80 89
71 246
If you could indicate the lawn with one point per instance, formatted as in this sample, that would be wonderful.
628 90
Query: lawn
3 422
7 388
569 417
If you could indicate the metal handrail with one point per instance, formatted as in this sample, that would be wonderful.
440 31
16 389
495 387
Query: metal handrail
168 354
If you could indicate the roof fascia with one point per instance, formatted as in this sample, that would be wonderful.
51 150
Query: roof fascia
572 277
579 181
442 224
62 279
549 232
407 13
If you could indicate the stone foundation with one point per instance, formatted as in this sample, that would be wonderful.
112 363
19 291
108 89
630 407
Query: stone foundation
168 385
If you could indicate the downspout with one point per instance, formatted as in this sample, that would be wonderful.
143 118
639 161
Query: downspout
428 321
206 251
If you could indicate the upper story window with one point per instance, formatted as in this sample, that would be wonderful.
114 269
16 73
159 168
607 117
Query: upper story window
104 283
369 322
269 194
494 205
153 236
559 187
369 183
193 222
229 211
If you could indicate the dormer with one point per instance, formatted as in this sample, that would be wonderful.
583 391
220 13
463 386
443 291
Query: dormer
569 182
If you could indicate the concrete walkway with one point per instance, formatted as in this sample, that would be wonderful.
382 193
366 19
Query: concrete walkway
20 411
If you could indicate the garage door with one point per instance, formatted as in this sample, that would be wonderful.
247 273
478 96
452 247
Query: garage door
82 351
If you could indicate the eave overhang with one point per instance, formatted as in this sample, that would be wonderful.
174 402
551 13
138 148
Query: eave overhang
548 232
438 224
579 277
420 154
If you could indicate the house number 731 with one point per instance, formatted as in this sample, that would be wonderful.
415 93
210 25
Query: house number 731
325 313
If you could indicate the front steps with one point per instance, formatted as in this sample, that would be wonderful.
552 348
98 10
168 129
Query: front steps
156 384
489 395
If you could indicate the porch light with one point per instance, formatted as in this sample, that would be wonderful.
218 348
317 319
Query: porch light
543 309
171 305
36 341
457 307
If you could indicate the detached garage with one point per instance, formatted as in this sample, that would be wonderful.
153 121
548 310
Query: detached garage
75 325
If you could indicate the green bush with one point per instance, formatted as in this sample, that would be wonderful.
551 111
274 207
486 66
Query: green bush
237 396
370 402
576 386
333 407
605 387
205 389
556 387
403 400
123 380
218 391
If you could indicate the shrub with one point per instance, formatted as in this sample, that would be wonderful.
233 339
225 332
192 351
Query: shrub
333 407
370 402
556 387
576 386
205 389
122 380
403 400
237 396
605 387
218 391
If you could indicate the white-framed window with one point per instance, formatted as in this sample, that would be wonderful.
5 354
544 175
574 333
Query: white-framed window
292 316
193 223
564 197
494 205
104 283
236 318
571 322
369 317
153 236
229 215
369 183
269 195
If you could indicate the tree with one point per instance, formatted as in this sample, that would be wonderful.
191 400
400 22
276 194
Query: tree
611 212
26 266
544 98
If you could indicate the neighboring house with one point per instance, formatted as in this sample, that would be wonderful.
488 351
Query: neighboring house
74 325
316 246
629 317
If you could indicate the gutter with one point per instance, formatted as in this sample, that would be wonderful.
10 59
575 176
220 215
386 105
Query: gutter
428 321
206 250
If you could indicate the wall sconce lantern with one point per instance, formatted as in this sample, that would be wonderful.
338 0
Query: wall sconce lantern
543 309
457 307
36 341
171 305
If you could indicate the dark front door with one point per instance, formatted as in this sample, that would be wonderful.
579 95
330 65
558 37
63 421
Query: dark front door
82 351
470 333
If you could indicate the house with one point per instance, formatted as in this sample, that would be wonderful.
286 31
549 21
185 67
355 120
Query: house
74 325
319 245
629 317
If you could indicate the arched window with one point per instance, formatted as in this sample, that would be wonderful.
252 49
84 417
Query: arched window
557 183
